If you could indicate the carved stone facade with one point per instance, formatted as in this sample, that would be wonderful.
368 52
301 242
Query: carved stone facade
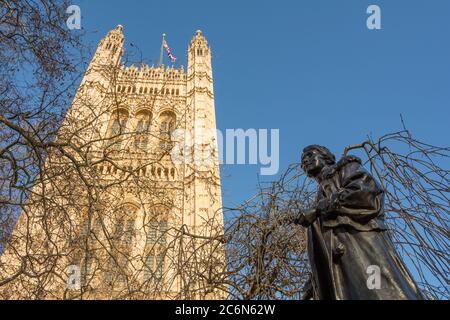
140 214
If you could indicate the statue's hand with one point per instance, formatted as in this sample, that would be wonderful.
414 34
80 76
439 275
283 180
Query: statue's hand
305 218
327 205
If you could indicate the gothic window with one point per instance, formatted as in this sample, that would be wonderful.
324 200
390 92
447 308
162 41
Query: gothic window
129 231
124 225
156 239
149 261
117 127
118 230
159 266
162 232
142 130
157 232
154 266
152 232
166 126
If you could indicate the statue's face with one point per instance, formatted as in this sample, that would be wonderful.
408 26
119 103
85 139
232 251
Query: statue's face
312 163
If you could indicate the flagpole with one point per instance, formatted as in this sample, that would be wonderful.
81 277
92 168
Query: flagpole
162 49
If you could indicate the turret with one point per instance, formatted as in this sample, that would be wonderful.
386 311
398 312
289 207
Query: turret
199 63
97 82
110 48
202 168
200 92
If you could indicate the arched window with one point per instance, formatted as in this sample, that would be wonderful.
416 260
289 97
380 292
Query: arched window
162 232
124 226
117 128
159 264
156 229
166 126
148 270
156 241
122 236
154 267
142 130
157 234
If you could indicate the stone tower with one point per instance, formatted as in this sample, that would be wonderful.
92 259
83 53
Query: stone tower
142 171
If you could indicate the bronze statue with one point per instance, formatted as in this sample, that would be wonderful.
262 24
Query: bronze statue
348 243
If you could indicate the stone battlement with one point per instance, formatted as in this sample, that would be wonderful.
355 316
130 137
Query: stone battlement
146 72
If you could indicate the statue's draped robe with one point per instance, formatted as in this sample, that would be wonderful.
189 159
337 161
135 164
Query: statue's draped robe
350 238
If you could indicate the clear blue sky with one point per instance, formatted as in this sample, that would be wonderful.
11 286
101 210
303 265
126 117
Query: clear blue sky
285 64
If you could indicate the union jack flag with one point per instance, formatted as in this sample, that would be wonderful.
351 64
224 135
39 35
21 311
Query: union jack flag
169 53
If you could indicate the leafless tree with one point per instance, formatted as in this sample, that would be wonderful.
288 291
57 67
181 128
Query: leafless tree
266 255
39 58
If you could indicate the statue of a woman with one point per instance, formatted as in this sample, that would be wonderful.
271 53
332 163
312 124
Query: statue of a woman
350 252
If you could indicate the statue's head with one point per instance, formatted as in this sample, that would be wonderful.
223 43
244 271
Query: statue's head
315 158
